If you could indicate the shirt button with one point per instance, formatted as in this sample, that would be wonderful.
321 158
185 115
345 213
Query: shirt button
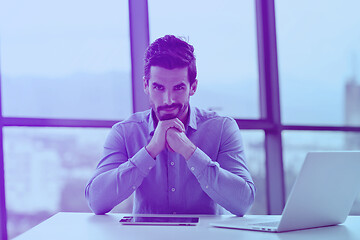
150 168
192 168
206 186
173 189
172 163
133 187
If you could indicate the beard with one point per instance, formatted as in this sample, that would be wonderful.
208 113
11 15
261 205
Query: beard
179 109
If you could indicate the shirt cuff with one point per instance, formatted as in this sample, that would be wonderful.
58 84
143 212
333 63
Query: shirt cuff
143 161
198 162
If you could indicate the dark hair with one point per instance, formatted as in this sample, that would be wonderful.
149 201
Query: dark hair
170 52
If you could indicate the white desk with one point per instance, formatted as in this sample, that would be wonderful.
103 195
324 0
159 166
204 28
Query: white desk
87 226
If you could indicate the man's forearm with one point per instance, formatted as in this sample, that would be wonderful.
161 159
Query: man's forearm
234 193
102 194
113 184
188 151
152 150
231 191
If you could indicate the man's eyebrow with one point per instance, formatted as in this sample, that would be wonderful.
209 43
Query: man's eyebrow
156 84
180 85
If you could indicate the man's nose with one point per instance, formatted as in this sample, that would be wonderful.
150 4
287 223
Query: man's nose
168 98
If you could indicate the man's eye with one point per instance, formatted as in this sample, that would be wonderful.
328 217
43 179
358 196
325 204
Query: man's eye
156 87
179 87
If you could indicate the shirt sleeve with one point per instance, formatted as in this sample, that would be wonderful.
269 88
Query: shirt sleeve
226 179
117 176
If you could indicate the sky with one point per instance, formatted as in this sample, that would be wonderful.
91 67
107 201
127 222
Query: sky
60 38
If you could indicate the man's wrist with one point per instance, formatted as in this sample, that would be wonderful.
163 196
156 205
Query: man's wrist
151 151
189 151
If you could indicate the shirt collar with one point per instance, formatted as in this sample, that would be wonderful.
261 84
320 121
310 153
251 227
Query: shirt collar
192 118
191 123
151 122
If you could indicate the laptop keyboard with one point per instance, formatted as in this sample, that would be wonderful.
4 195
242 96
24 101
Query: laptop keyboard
267 224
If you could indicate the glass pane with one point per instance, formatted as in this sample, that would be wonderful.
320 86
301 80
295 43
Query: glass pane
255 154
318 66
65 59
223 34
46 170
297 144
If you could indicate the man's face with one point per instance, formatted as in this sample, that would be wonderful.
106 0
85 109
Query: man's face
169 92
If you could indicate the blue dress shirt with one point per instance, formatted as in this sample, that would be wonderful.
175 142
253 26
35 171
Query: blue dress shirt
213 178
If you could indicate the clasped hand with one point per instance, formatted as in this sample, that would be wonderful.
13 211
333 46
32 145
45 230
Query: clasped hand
170 134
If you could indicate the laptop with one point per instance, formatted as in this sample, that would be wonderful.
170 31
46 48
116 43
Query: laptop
322 195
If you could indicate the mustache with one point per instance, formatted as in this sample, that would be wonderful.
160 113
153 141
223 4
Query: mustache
174 105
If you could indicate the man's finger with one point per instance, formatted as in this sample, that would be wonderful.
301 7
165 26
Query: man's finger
174 123
177 126
180 123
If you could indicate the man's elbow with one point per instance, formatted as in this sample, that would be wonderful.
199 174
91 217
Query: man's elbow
247 201
251 196
98 211
95 205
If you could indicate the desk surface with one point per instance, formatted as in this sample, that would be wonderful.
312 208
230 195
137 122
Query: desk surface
88 226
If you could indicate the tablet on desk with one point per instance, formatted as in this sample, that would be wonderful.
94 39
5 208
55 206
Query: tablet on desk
159 220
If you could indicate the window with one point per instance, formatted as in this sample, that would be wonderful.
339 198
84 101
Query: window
65 59
224 37
46 171
318 67
78 67
255 156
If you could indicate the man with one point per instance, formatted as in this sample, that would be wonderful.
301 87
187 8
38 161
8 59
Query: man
177 158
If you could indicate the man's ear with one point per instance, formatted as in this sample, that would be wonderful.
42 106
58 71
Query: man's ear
193 87
146 86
